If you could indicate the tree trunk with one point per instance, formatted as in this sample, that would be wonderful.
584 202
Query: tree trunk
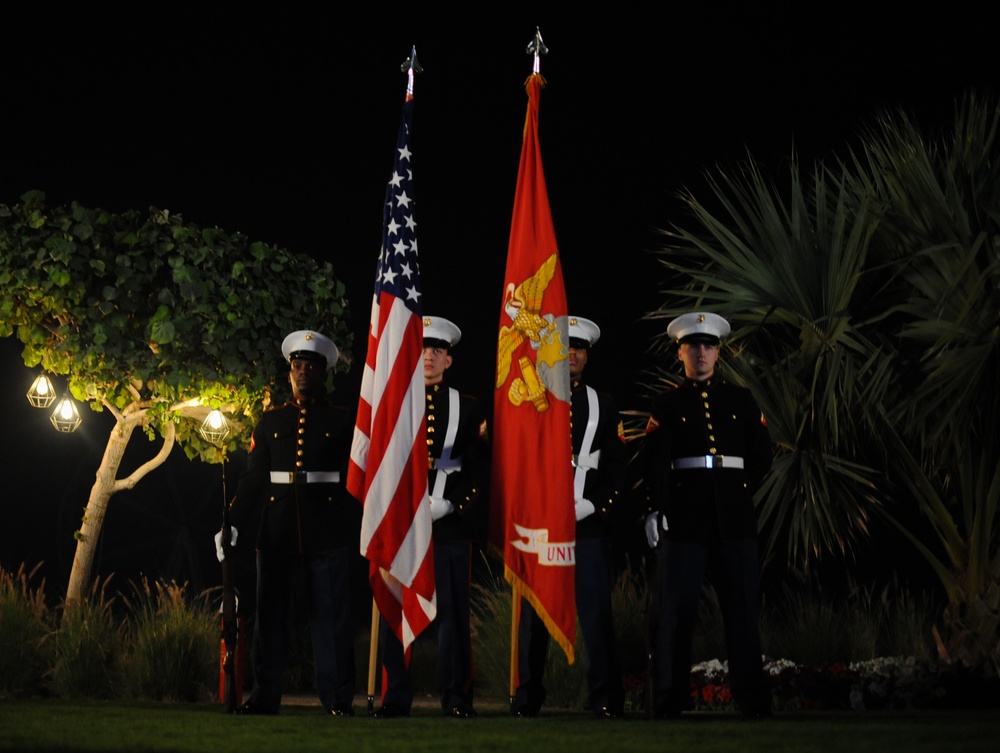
93 515
970 628
106 484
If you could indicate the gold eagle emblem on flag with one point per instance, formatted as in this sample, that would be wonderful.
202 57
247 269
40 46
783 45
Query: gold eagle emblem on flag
538 375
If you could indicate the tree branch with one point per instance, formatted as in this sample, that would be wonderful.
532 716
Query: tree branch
181 406
112 410
133 387
169 430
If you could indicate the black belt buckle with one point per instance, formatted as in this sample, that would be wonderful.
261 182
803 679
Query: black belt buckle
298 477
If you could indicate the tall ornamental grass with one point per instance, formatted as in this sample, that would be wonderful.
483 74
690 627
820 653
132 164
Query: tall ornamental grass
162 643
565 684
87 648
24 629
172 650
807 626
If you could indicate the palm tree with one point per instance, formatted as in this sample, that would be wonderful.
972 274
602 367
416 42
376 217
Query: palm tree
865 298
940 223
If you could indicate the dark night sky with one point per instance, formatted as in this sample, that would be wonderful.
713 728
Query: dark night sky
281 125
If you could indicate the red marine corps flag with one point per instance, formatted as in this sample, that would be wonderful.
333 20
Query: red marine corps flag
532 519
388 468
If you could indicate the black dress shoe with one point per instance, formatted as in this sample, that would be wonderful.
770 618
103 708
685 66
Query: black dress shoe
343 709
252 709
390 712
525 711
462 711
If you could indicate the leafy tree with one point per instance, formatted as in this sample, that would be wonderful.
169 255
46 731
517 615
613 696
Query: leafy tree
156 321
865 298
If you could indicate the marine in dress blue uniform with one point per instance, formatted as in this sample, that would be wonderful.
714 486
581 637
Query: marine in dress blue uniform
457 472
308 530
708 451
599 464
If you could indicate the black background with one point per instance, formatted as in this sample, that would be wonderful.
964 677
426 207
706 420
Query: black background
280 123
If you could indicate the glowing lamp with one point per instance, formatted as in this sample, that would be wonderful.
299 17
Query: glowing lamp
42 393
214 428
66 416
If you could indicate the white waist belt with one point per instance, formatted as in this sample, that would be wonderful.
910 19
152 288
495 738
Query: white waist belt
448 465
591 461
708 461
305 477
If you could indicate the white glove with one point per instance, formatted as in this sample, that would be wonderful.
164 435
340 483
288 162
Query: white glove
584 507
219 552
440 507
653 528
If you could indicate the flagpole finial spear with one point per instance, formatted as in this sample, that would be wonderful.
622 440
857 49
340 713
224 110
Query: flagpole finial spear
537 48
411 67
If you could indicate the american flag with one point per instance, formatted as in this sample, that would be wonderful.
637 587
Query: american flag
388 468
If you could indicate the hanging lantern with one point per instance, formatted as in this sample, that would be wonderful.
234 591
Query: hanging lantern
214 428
66 416
42 393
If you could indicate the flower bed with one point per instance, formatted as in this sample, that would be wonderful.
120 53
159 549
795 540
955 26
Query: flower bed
884 683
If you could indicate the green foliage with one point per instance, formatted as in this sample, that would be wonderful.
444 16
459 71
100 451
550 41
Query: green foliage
86 649
810 627
173 646
24 628
783 265
565 684
630 598
164 644
941 229
864 298
805 626
144 307
491 613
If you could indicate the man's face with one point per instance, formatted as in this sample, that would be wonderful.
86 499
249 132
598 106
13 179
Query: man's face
307 377
577 360
436 360
699 359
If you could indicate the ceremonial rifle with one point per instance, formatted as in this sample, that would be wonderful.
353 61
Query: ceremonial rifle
230 690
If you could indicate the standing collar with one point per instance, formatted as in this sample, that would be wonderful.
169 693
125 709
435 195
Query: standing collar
704 384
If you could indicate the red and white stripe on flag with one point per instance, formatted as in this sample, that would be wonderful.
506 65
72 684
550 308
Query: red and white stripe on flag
388 467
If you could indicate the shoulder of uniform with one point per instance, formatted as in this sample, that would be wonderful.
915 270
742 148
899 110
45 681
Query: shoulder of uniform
606 397
671 393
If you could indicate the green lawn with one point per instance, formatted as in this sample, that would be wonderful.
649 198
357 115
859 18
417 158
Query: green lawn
58 725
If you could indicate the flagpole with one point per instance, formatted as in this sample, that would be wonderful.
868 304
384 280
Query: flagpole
373 657
515 619
536 48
